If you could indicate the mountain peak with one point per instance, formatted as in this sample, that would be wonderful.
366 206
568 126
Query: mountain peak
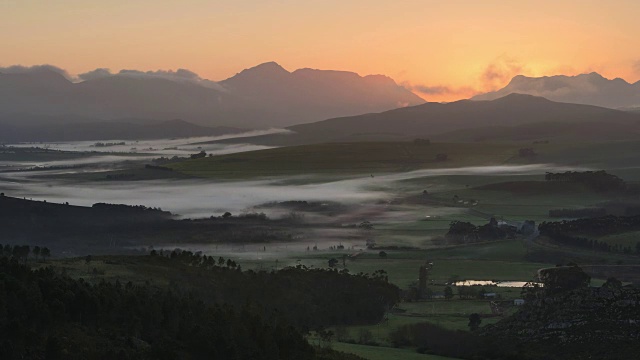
269 71
268 68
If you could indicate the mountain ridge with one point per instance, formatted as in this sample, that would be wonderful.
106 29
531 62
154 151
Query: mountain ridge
263 96
589 89
515 117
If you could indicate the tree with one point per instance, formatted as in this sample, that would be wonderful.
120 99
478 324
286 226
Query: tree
462 231
612 283
365 225
564 278
87 261
226 215
365 336
474 321
453 279
448 293
382 254
36 252
45 252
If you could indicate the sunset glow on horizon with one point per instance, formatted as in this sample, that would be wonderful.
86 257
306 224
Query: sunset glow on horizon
443 51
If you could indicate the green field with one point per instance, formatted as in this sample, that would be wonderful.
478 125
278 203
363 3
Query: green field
629 239
345 158
383 353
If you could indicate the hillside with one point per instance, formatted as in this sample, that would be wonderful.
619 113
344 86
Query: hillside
109 228
51 128
514 117
591 89
345 158
260 97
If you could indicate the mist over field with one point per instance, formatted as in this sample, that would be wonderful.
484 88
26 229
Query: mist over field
200 198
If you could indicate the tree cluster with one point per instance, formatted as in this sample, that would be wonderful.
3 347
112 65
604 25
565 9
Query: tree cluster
309 298
578 213
597 180
22 252
462 232
47 316
428 338
567 232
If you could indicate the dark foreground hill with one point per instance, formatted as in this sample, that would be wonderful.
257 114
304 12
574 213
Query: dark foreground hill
585 323
112 228
211 310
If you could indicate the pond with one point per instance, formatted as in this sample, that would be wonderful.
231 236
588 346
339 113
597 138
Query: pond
490 283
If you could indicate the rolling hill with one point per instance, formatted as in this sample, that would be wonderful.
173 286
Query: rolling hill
514 117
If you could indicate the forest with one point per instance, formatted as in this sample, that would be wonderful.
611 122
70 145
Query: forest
215 310
568 232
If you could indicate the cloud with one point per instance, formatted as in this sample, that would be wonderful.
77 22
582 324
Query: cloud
20 69
499 72
437 90
180 75
441 90
95 74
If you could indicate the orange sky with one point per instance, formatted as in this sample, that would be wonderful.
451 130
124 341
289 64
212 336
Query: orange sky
448 49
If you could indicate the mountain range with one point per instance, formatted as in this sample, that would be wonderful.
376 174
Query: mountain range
590 89
513 117
260 97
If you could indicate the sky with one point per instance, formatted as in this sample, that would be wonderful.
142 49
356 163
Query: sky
442 50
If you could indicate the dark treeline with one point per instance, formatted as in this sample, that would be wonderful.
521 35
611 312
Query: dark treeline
568 232
107 225
462 232
578 213
22 252
310 299
428 338
596 180
46 315
108 144
27 215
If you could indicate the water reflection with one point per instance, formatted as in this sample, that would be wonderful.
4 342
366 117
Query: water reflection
491 283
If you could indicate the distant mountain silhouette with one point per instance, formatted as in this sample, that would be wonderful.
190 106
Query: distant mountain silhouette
260 97
306 93
513 117
590 89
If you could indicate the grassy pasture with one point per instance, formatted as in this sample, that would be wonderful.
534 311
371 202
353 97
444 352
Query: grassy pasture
630 238
383 353
345 158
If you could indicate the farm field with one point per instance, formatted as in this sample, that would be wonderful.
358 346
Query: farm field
345 158
383 353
